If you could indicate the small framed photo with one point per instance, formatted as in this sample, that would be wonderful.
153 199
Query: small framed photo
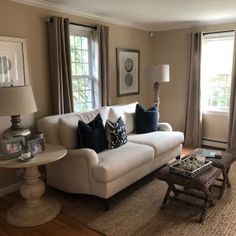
12 148
36 145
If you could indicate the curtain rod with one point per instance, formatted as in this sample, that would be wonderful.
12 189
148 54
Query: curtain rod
50 19
215 32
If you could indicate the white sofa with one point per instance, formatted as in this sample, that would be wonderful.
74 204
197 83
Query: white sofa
108 172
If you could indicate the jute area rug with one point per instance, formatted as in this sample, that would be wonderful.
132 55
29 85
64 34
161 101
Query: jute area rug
136 211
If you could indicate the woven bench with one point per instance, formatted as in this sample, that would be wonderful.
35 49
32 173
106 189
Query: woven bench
224 164
201 182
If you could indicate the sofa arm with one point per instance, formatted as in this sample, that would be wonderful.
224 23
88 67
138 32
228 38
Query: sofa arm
73 173
164 127
86 153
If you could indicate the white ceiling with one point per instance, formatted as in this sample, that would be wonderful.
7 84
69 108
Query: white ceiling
149 15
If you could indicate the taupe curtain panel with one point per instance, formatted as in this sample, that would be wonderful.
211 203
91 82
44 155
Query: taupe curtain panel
193 114
60 64
232 110
103 38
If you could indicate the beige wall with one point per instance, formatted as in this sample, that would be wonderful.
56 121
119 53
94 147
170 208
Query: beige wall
125 38
215 127
172 47
18 20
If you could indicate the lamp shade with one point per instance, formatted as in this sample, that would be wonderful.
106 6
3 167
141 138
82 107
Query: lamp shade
158 73
17 101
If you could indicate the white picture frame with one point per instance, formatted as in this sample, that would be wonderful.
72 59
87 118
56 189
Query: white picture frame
127 63
36 145
13 62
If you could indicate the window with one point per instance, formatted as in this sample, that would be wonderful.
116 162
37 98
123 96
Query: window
82 69
217 58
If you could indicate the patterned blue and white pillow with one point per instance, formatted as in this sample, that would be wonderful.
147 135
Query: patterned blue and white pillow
116 133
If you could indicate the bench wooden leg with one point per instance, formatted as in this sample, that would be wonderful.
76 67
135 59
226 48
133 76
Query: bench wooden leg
208 200
204 210
173 188
225 182
227 176
166 198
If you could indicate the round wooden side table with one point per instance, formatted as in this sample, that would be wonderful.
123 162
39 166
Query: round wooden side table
35 209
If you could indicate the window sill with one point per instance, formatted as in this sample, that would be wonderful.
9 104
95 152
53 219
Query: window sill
216 113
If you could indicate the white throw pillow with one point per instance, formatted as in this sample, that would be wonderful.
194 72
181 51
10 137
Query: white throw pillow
126 112
68 125
129 122
68 131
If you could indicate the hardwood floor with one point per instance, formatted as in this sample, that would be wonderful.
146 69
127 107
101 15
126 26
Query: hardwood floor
60 226
187 150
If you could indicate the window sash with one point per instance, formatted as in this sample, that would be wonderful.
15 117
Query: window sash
209 80
80 75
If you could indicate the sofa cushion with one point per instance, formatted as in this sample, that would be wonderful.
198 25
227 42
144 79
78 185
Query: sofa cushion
92 135
117 162
145 119
115 133
127 114
161 141
68 125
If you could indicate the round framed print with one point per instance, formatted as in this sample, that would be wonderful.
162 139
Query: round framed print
128 64
129 79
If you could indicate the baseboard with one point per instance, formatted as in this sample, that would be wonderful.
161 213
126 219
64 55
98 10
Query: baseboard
10 189
214 143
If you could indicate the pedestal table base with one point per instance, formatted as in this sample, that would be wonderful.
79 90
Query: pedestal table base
25 214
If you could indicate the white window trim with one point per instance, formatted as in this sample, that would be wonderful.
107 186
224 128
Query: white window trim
86 32
212 36
216 113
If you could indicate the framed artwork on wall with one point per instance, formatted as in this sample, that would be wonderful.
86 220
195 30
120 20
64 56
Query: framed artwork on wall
13 62
127 65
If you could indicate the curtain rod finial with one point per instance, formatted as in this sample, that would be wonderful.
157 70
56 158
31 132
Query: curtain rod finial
49 19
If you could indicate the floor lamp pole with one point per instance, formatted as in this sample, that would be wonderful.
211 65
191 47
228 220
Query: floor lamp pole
157 97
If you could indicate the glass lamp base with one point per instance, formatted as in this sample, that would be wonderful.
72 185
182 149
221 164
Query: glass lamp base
11 133
16 129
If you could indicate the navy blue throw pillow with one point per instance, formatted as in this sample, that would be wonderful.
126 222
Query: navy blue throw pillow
92 135
145 119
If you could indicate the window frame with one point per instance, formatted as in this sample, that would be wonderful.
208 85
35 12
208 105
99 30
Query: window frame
80 31
213 35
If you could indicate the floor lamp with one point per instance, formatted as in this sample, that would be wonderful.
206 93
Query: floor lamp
15 101
157 74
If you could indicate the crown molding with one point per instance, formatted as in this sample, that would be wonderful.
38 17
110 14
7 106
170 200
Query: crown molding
68 10
192 25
